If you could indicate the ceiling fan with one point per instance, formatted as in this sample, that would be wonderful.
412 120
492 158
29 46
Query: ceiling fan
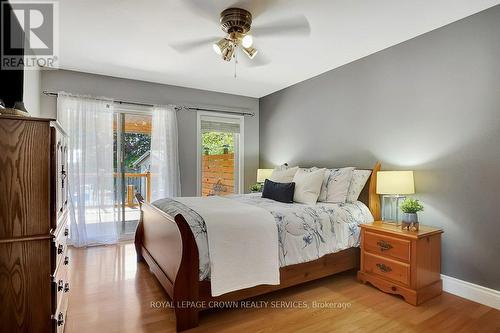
237 25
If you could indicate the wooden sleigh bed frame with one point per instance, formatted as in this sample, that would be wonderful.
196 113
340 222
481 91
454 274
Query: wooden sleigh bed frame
168 246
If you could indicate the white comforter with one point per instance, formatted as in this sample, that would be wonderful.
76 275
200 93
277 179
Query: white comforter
305 232
242 242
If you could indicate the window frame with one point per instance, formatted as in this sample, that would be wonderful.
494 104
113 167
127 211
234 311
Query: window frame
120 111
239 119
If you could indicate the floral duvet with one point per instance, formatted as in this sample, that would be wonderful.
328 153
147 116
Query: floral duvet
305 232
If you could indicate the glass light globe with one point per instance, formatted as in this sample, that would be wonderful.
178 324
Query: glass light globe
216 48
247 41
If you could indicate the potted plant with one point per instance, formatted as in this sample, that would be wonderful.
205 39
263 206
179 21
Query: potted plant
410 208
255 188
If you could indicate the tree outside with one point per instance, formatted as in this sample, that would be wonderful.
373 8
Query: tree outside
134 146
216 141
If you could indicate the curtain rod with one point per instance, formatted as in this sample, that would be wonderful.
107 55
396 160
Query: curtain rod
177 107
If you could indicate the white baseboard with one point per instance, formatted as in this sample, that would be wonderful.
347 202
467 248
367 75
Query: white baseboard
471 291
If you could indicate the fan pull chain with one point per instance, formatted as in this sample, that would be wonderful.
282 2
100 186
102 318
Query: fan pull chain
235 56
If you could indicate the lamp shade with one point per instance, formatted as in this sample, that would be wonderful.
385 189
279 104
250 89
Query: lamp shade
395 182
263 174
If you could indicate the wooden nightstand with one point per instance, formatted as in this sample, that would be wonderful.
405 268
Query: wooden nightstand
407 263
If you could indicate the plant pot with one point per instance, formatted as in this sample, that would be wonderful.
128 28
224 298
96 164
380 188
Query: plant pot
410 217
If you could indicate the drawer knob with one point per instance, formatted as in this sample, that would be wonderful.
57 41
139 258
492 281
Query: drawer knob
66 287
60 284
60 319
384 268
66 231
384 246
66 260
60 249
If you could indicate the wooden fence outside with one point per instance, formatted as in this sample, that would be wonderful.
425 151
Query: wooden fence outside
218 171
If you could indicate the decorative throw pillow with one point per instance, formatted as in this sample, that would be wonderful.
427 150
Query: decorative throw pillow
358 181
282 192
336 185
308 185
284 175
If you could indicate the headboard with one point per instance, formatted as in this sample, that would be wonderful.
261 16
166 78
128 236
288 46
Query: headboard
369 194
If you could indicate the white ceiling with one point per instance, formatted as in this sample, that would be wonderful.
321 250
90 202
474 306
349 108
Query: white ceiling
130 39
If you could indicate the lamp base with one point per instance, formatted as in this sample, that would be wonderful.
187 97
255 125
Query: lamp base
390 208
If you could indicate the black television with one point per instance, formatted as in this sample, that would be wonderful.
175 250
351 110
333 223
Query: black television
12 79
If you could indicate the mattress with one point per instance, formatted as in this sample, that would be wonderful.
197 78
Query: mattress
305 232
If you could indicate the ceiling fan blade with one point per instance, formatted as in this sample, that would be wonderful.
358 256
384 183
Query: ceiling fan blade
194 44
293 26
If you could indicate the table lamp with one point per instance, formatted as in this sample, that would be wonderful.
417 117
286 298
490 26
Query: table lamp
263 174
393 185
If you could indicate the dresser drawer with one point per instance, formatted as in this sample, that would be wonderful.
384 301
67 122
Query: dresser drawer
386 246
61 289
59 247
59 255
389 269
59 317
60 286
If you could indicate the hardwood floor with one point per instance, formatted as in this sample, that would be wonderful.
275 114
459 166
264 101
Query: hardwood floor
110 292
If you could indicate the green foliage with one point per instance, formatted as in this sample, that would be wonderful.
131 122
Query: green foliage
215 141
410 205
257 187
134 145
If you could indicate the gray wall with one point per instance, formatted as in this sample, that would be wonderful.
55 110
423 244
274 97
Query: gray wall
140 91
431 104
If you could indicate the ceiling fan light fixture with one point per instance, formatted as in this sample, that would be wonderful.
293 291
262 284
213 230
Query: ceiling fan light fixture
220 46
228 52
251 52
247 41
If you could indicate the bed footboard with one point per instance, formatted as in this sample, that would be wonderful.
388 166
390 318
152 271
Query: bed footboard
168 246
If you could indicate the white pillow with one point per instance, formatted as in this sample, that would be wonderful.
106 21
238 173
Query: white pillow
308 185
336 185
358 181
284 175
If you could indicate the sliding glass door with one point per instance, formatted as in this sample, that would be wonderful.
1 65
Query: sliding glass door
220 154
132 146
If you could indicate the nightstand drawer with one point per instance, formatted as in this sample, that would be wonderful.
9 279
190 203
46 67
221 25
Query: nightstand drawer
387 268
386 246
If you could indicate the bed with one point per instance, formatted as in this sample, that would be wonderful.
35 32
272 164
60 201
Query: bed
171 239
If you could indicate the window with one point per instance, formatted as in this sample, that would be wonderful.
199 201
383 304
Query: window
220 154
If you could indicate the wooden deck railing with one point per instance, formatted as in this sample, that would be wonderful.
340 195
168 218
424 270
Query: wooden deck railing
131 188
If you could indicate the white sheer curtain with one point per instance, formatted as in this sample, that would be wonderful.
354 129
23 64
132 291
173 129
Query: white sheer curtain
165 175
89 124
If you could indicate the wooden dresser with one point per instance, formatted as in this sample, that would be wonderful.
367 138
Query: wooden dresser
407 263
33 225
